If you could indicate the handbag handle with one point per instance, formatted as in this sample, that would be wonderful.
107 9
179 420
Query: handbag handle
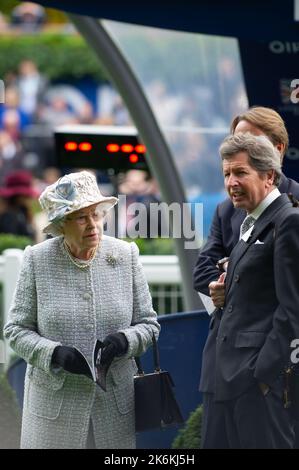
156 358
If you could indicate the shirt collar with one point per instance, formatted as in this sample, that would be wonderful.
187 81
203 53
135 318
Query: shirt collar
257 212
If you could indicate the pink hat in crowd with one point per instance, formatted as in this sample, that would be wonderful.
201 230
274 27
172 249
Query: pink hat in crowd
18 183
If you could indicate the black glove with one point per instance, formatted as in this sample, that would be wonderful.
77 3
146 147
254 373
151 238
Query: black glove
114 345
71 360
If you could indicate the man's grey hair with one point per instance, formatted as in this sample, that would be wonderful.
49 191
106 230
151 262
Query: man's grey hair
262 155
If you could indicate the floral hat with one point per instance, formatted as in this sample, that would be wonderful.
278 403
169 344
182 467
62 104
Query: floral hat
71 193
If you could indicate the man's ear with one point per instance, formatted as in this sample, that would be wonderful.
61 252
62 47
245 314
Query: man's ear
281 149
270 177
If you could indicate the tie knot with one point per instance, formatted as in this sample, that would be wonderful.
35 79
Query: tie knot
246 224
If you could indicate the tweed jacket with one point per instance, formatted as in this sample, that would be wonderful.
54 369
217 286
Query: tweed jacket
57 303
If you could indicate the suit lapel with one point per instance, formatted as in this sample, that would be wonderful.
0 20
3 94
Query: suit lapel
236 221
263 221
237 253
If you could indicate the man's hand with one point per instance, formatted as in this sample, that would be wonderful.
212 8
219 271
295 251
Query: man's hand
217 291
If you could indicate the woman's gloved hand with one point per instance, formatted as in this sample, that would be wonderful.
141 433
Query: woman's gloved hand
114 345
70 360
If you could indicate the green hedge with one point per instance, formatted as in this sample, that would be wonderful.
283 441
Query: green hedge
67 56
8 240
154 246
56 55
189 437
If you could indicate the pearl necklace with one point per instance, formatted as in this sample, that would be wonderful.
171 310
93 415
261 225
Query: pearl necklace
79 265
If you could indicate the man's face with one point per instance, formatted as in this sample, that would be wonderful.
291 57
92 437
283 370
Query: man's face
245 186
245 126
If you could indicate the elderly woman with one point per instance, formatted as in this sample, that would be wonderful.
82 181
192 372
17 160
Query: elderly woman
75 289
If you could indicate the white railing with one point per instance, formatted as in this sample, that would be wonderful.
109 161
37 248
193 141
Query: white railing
162 273
164 278
10 263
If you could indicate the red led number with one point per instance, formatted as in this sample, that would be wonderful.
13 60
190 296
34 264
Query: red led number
125 148
85 146
71 146
140 148
112 148
133 158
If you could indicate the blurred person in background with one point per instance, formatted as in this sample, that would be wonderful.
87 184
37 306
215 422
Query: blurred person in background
11 111
139 187
11 155
56 112
31 85
28 16
17 195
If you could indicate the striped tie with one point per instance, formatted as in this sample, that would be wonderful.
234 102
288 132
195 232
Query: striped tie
246 224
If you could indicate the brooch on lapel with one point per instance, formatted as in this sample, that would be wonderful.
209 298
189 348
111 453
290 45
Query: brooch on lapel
112 260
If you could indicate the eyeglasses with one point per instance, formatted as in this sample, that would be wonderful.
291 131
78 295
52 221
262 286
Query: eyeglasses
84 218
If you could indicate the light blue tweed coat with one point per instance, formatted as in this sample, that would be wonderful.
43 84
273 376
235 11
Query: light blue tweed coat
57 303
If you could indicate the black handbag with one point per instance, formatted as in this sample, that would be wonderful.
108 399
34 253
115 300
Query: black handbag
155 402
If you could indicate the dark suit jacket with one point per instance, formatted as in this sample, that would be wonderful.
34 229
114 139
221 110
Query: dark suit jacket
224 235
261 312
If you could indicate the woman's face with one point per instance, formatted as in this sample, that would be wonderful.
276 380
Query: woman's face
83 229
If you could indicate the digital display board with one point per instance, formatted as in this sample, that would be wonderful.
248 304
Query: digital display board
100 147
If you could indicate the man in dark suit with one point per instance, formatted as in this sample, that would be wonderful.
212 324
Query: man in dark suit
224 235
260 315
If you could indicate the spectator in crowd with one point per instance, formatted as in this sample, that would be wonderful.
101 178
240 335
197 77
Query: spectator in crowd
28 16
139 188
11 110
11 155
57 112
32 87
17 195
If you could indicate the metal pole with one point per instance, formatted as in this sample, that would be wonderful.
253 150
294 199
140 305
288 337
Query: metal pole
160 161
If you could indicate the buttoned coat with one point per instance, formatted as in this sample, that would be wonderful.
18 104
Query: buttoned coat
224 235
57 303
260 317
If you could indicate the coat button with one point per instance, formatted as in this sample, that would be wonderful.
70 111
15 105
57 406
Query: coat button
230 308
86 296
223 338
237 278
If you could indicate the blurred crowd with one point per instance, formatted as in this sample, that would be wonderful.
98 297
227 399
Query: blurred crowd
193 116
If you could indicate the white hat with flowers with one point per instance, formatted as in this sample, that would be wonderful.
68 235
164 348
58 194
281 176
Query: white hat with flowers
71 193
